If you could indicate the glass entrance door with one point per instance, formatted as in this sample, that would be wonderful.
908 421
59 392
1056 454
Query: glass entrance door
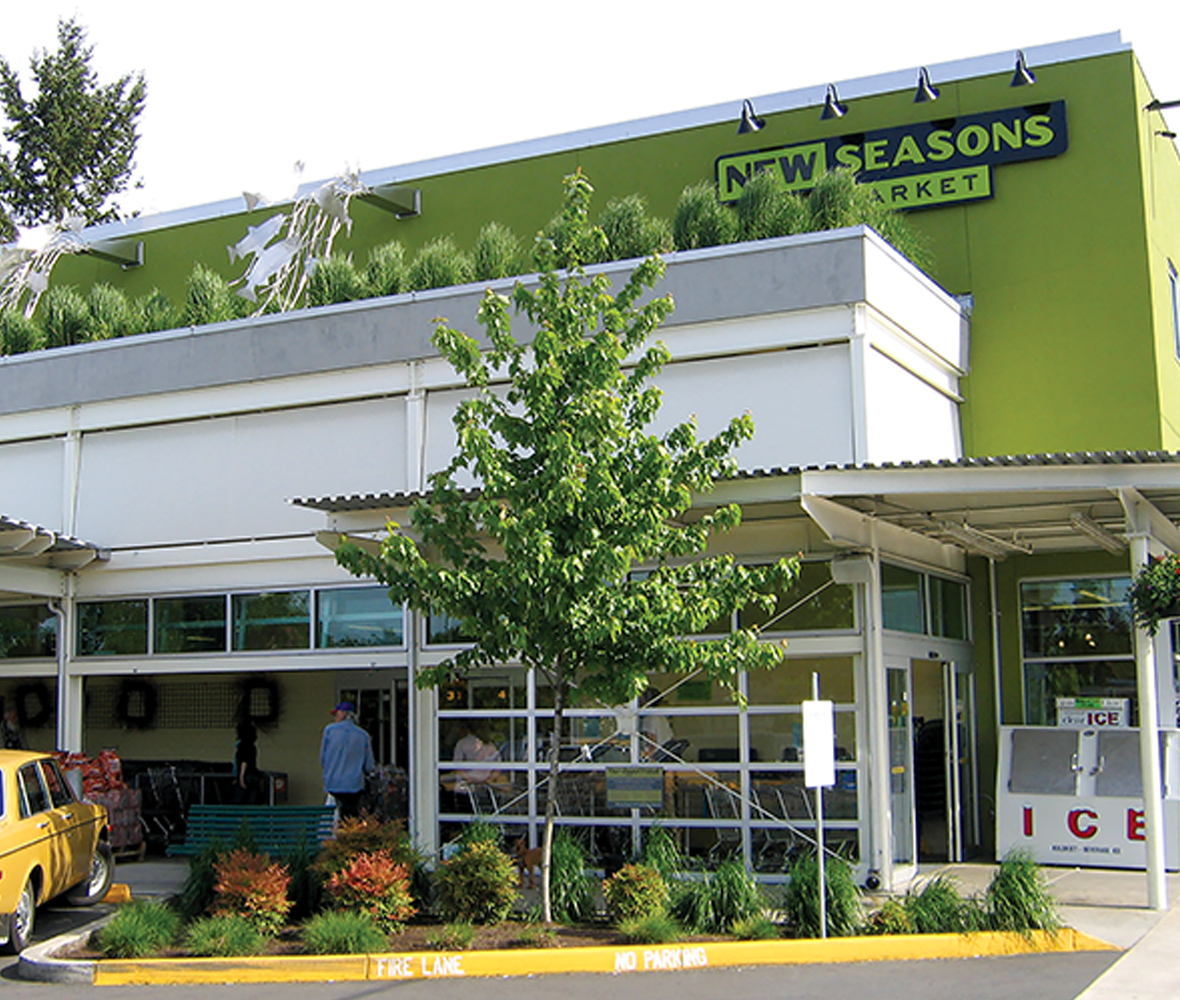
901 786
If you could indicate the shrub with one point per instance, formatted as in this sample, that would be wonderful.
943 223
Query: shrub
196 895
342 934
661 851
652 928
385 271
765 210
498 253
480 831
209 299
334 279
252 886
440 264
19 334
478 885
735 895
141 928
223 937
837 200
306 883
1017 898
631 232
452 937
938 908
64 317
891 918
156 312
691 904
374 884
756 928
701 220
111 315
842 897
635 891
571 889
366 835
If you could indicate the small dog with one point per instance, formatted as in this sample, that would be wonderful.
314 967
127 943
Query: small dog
528 859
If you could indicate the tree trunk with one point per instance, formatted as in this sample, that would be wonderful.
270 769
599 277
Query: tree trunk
551 798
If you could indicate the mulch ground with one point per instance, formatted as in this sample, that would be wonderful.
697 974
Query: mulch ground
420 937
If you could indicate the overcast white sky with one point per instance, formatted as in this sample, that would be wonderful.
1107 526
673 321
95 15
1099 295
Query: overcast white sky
237 92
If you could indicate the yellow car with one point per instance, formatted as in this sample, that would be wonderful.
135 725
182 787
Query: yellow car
50 843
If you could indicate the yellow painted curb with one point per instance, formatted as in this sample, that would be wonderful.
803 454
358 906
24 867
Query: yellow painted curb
540 961
118 893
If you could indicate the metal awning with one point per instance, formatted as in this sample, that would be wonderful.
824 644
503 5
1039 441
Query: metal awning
33 559
994 506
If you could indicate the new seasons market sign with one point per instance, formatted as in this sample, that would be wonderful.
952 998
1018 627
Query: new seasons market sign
912 166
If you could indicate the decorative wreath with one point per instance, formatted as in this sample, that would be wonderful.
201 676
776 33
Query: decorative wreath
36 714
134 691
273 700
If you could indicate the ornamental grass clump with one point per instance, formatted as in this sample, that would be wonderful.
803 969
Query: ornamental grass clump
635 891
223 937
253 887
701 220
1155 592
937 908
571 887
374 884
334 279
842 897
452 937
342 934
478 885
651 928
139 929
1017 899
498 253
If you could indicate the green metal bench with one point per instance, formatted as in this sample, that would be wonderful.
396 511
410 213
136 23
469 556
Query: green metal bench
275 830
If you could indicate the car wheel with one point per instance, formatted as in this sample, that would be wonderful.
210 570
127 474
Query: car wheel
102 871
20 928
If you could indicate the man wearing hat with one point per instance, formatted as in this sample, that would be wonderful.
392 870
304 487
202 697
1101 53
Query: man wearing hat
346 756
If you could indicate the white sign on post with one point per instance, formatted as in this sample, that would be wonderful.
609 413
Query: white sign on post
819 744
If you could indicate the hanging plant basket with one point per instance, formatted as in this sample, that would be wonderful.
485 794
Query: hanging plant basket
1155 592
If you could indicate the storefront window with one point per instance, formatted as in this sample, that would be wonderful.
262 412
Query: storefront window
280 620
357 616
903 599
189 624
948 608
27 631
443 630
1077 642
790 683
809 605
113 628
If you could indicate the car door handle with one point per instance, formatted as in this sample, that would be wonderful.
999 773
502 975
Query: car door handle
43 826
71 816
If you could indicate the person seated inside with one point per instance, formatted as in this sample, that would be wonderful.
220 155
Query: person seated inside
474 748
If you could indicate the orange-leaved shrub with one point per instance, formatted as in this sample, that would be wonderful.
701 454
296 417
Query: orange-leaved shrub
376 884
254 887
365 835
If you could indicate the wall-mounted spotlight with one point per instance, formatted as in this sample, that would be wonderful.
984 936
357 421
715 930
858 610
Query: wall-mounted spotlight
1158 105
926 90
1023 77
750 121
833 108
1166 133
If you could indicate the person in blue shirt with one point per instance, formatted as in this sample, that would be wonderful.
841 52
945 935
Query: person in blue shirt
346 756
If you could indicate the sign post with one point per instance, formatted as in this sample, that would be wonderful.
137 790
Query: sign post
819 772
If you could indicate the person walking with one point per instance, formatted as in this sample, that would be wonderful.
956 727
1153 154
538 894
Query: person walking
346 756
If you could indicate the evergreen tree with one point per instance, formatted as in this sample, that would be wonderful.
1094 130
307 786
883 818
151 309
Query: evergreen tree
70 146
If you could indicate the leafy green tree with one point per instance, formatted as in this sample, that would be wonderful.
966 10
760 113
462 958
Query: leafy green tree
71 145
575 493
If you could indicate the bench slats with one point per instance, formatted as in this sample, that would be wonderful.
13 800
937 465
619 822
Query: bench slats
274 829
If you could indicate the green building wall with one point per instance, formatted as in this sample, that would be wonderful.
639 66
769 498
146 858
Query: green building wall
1071 335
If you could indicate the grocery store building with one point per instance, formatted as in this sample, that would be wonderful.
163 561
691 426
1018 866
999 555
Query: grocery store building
972 462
